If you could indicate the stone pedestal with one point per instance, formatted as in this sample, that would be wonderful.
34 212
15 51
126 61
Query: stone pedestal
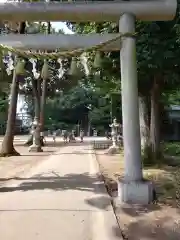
135 192
114 149
35 148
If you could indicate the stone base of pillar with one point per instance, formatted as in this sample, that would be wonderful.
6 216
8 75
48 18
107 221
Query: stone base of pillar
114 149
35 148
140 192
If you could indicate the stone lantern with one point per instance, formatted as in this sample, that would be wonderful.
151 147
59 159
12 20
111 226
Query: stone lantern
114 148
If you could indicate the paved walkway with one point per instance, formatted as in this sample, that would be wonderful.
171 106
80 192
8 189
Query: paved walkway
61 198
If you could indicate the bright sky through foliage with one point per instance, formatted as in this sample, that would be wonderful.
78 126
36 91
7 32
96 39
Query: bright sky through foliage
56 25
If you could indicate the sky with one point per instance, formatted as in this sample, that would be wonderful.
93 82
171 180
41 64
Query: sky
56 25
61 25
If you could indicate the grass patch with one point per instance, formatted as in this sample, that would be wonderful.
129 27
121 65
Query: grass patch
171 148
166 178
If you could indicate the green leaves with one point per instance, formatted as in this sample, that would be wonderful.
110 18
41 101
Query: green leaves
157 46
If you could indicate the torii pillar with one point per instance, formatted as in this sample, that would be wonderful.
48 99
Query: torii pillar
132 189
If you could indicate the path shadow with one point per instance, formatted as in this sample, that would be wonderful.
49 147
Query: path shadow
81 182
44 153
52 153
101 202
56 144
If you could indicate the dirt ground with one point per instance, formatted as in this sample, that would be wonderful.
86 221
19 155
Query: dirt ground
158 221
11 167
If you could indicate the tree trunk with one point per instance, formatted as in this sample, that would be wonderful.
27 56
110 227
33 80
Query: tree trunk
7 148
38 110
145 129
44 90
36 92
144 123
155 122
43 103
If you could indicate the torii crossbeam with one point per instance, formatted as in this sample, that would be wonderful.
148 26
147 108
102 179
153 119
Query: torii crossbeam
59 41
159 10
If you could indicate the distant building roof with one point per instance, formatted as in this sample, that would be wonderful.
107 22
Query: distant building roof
174 107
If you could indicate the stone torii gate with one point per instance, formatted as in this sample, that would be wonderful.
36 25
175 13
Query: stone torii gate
133 189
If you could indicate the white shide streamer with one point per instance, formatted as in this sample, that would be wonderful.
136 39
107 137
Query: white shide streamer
34 70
